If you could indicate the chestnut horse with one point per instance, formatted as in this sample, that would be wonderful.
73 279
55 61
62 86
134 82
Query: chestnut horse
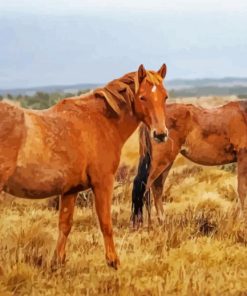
76 145
205 136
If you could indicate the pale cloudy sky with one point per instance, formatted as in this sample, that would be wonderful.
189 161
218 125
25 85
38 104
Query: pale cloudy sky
74 6
46 42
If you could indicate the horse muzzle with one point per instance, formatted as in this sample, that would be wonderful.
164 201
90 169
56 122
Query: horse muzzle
160 137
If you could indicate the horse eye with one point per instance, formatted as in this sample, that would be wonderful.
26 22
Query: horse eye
142 98
166 98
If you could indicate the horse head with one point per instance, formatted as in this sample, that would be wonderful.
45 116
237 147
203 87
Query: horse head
150 100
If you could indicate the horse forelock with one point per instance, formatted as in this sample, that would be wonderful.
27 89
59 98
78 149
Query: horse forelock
153 78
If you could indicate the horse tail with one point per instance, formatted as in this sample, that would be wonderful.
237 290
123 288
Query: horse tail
139 194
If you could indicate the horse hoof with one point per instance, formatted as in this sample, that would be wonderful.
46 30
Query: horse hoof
57 262
114 263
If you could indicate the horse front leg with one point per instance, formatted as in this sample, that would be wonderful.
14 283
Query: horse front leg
103 191
67 205
163 156
157 190
242 182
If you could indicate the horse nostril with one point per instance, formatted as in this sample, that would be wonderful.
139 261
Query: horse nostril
160 137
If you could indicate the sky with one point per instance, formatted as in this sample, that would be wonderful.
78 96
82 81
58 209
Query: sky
57 42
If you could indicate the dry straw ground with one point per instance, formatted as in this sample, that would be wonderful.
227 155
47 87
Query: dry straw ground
200 250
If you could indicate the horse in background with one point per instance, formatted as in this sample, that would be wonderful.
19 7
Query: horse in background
76 145
205 136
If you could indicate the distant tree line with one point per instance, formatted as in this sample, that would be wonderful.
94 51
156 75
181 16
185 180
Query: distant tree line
41 100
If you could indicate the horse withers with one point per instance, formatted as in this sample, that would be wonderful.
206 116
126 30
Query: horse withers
76 145
205 136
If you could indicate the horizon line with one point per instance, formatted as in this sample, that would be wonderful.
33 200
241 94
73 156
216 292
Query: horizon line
104 83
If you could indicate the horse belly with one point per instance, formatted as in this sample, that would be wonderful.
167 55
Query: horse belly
35 182
215 150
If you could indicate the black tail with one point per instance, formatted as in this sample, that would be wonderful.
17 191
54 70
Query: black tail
139 187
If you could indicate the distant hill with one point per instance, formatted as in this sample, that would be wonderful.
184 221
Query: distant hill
176 87
207 82
205 87
49 89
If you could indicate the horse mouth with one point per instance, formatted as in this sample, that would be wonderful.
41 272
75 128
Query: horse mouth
160 139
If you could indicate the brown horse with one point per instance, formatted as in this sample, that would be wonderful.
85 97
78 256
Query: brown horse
76 144
205 136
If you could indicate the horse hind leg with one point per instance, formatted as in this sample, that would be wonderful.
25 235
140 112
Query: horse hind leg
67 206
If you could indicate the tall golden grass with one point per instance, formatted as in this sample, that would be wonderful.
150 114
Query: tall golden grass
199 250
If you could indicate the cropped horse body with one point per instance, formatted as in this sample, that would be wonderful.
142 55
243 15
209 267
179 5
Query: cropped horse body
205 136
60 149
75 145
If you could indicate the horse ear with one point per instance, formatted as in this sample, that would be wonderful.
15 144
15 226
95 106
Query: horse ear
141 73
162 71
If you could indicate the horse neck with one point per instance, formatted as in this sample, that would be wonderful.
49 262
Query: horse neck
179 116
125 124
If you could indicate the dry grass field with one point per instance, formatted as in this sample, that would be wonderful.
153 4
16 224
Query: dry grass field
200 249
